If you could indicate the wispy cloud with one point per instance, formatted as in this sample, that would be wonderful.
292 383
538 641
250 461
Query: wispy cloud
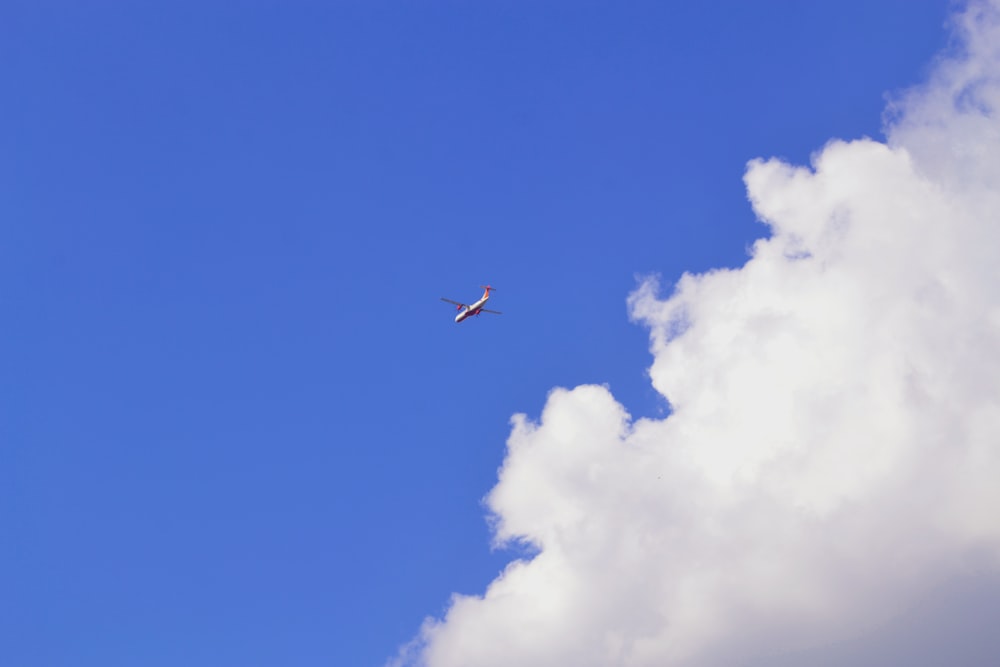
832 450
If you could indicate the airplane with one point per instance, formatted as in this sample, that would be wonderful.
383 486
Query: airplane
475 308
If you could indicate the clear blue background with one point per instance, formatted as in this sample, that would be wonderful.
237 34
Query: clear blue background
237 426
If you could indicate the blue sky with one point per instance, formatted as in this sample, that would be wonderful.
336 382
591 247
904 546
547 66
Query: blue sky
238 427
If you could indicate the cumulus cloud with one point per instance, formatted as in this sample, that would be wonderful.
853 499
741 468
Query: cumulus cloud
833 446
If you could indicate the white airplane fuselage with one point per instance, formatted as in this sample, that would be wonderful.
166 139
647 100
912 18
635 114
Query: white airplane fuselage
472 309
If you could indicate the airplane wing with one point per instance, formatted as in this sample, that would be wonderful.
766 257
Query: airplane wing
495 312
454 302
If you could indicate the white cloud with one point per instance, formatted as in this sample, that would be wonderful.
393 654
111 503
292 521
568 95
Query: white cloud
834 446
